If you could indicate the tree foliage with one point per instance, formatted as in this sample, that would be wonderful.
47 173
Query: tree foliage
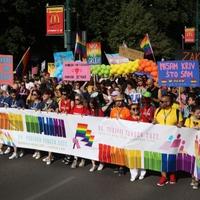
110 22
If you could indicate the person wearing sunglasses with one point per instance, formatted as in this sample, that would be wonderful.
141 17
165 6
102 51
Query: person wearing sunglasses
95 110
166 114
80 108
135 112
34 103
120 111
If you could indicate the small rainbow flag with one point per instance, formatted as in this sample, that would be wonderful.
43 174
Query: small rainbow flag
146 45
84 133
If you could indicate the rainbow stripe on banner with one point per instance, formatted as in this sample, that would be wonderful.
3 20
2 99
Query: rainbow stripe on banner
45 125
152 160
7 139
11 121
84 133
120 156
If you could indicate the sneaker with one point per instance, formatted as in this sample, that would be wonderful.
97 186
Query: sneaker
192 182
93 168
34 155
172 179
163 181
13 156
38 156
1 152
195 186
74 164
82 163
100 167
141 177
132 179
45 159
121 171
142 174
7 151
21 154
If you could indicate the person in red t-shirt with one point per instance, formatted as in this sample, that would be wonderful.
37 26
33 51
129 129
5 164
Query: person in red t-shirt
79 108
95 110
147 110
65 104
135 112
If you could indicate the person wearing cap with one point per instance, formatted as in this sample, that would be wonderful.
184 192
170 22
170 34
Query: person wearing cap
146 115
111 103
147 109
120 111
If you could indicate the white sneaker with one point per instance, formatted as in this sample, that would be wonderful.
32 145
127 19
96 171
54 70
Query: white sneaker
45 159
1 152
21 154
142 174
37 156
13 156
93 168
48 162
74 164
134 174
82 163
100 167
7 151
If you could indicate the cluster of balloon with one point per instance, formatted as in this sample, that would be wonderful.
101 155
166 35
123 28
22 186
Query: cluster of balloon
101 70
139 65
150 67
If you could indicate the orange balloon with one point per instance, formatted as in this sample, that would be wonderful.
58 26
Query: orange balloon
154 73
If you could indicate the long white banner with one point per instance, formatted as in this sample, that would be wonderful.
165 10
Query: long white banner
127 143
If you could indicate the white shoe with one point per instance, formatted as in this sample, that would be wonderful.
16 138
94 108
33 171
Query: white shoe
35 154
93 168
100 167
45 159
74 164
7 151
38 156
82 163
134 174
142 174
13 156
1 152
21 154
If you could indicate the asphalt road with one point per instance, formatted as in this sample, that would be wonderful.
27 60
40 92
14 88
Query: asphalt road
29 179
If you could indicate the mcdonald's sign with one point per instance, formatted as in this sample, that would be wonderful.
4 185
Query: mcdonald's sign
55 20
189 35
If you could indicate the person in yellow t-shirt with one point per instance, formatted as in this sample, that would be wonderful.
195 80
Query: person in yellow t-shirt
194 122
166 114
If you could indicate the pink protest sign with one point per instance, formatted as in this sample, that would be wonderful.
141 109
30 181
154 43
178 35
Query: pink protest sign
76 71
6 69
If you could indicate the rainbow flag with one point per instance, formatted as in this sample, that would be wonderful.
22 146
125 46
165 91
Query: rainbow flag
146 45
85 134
80 47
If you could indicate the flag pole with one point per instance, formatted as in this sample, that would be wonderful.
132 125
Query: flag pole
151 48
22 58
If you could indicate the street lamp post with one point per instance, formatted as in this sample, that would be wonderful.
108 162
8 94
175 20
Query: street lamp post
197 25
67 34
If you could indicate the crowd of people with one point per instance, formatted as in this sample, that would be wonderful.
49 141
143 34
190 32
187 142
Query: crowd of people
135 97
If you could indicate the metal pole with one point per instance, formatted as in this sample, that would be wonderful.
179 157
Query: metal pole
67 35
197 25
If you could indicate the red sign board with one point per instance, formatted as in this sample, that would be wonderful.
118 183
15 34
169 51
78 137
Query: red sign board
189 35
55 20
6 69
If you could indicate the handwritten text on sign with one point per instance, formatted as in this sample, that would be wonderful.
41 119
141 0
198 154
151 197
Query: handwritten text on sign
179 73
76 71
